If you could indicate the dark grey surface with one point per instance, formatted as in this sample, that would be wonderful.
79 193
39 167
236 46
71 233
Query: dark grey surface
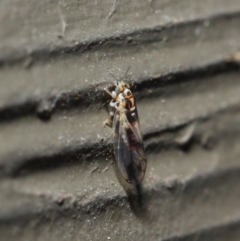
56 176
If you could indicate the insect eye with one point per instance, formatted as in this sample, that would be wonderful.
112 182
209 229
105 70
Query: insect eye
127 92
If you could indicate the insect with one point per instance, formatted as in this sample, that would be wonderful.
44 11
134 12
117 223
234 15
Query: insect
128 144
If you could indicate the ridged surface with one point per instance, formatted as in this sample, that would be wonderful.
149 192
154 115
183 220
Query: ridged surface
57 181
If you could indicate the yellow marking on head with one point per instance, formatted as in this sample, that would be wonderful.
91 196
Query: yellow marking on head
121 87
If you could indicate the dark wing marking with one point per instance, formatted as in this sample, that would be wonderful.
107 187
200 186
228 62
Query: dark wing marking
128 147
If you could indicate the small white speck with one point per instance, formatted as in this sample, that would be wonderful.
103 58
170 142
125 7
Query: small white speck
198 31
112 104
114 94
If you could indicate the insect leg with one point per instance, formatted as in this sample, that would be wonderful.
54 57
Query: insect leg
112 94
109 121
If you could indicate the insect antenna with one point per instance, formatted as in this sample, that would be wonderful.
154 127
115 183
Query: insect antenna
125 76
127 71
115 83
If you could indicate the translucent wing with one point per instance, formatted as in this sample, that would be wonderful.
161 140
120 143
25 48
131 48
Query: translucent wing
128 146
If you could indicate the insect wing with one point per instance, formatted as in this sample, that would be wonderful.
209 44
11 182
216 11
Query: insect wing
128 146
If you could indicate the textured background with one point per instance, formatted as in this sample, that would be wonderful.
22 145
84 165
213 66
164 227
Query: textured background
57 181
